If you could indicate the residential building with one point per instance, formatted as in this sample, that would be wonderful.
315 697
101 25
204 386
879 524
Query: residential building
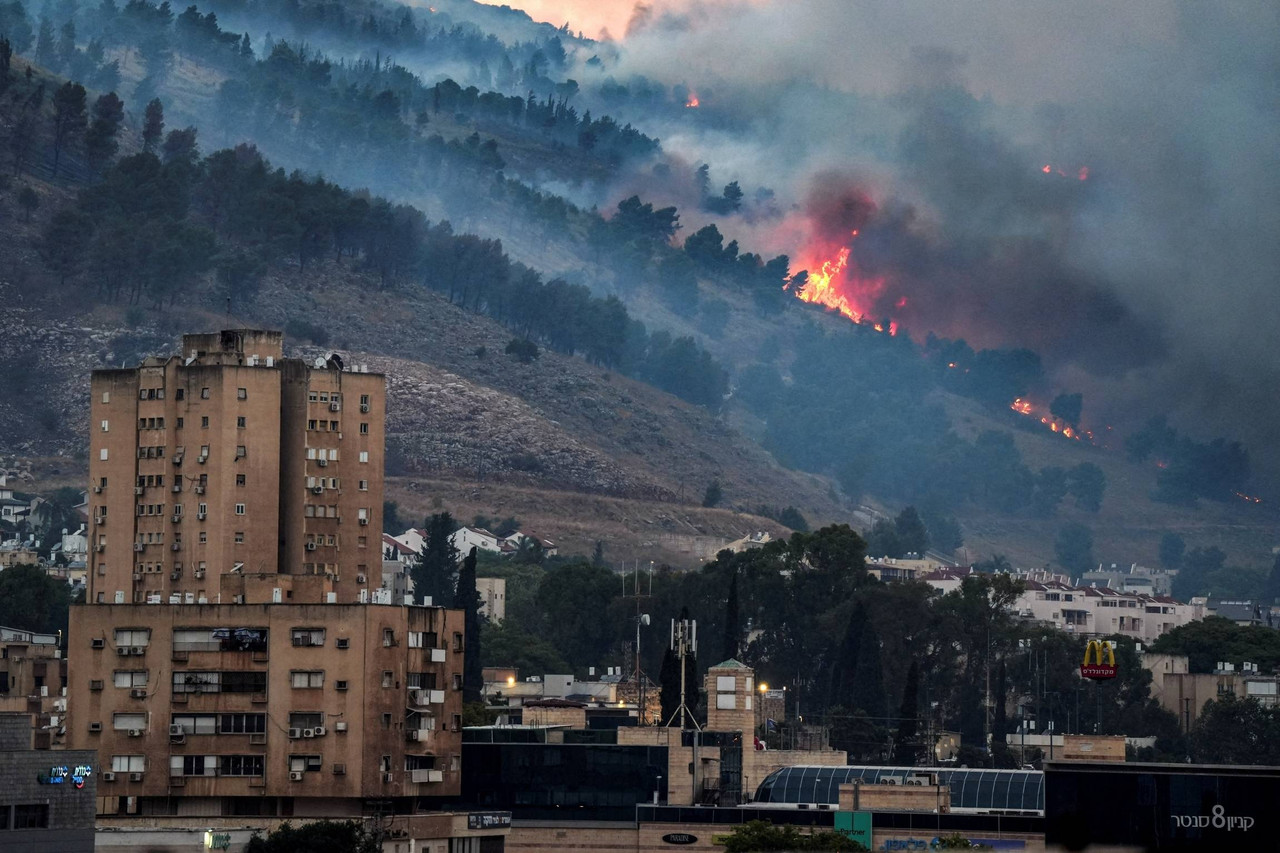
531 539
47 800
493 598
466 538
231 458
33 681
1185 693
267 709
237 659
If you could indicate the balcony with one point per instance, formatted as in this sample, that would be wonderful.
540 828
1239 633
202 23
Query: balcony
426 697
426 776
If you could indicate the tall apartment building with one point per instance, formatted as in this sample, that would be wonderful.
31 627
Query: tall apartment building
232 458
235 656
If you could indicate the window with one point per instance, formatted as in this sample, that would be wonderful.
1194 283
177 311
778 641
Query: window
388 637
193 765
202 509
386 678
457 641
106 426
386 721
324 397
313 396
127 722
180 394
242 394
344 643
106 396
364 456
303 763
239 509
311 424
240 422
180 423
133 636
333 454
241 451
128 764
415 639
308 636
196 724
204 537
306 719
239 538
300 678
240 724
364 399
420 681
204 424
457 681
220 639
241 480
364 429
130 678
102 454
204 395
333 426
241 765
30 816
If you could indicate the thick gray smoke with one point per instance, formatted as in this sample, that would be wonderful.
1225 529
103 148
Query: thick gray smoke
1152 285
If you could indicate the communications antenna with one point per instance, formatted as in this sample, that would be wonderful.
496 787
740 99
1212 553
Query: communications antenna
684 641
642 620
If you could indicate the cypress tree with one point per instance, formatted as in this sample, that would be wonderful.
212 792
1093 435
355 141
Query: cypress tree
467 599
732 631
906 751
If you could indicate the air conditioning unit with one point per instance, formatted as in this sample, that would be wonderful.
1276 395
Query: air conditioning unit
364 522
177 547
339 770
177 519
308 732
199 573
124 650
176 731
95 727
137 576
335 407
108 776
138 546
317 490
311 546
258 739
322 462
138 650
102 519
138 693
199 490
175 576
294 734
364 408
360 578
177 460
202 459
295 775
135 777
177 487
388 777
135 732
321 731
97 490
137 490
200 516
411 734
101 549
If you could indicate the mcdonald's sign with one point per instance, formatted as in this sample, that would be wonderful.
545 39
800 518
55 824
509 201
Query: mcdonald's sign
1097 650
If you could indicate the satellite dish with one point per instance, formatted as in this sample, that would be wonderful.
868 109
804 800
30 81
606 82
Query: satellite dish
644 619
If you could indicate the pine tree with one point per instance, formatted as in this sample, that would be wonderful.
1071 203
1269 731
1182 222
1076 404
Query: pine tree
100 139
467 599
869 674
46 44
842 685
732 631
906 751
68 117
153 126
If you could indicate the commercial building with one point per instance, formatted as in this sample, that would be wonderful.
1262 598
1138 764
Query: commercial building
46 801
1185 693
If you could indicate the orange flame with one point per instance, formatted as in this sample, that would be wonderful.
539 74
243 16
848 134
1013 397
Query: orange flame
837 285
1055 425
693 101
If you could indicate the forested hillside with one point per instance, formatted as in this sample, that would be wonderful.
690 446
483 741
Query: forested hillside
132 207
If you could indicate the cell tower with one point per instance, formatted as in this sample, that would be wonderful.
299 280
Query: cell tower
684 641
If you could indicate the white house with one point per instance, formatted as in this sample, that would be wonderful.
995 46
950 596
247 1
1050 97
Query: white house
548 547
466 538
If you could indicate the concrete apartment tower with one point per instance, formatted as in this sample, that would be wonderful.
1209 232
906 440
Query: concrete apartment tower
235 655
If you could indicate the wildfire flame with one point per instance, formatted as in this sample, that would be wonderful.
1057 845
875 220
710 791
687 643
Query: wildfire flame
1055 425
693 101
1248 498
834 285
1081 174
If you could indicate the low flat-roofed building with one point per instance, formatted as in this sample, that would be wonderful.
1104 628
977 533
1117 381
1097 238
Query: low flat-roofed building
47 799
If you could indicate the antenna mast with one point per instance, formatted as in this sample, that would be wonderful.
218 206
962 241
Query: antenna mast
684 640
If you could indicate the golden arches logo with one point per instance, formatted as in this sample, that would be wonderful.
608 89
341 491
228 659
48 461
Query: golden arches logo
1103 656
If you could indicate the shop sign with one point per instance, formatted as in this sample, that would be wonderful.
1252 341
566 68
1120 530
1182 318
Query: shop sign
679 838
63 774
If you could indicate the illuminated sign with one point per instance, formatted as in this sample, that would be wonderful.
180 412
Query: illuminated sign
1096 650
62 774
217 840
489 820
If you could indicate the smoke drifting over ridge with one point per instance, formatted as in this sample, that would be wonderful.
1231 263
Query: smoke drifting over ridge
1150 285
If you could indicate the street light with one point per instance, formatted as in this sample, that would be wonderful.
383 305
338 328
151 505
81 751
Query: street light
764 688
